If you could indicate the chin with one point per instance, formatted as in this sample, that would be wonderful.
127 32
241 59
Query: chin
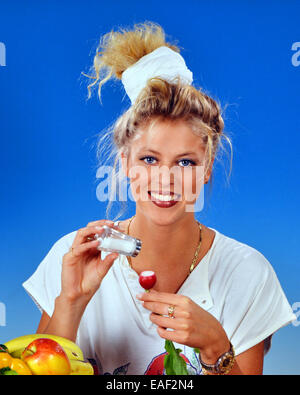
163 217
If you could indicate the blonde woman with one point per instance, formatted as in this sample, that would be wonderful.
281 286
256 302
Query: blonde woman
212 293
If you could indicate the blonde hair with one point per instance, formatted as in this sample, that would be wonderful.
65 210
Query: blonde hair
158 100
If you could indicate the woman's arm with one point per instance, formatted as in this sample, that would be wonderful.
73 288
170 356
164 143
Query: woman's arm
65 319
43 323
82 273
250 361
194 327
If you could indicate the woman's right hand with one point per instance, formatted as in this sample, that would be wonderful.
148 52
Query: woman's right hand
82 267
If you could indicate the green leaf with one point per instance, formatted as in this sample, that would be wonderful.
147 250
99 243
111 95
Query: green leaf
3 348
174 364
7 371
10 373
3 370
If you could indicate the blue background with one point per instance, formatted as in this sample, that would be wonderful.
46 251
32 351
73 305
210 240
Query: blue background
239 52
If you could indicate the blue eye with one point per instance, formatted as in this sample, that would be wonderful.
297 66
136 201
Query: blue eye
187 160
151 157
147 157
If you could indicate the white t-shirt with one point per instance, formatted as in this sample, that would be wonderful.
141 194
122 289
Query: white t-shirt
234 282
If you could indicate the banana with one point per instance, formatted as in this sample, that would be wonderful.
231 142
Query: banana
17 345
17 353
70 353
78 365
73 355
81 368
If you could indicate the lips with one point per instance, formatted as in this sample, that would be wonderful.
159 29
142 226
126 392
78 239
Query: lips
167 200
164 196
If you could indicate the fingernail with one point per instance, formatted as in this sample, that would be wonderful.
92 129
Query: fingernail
98 227
139 296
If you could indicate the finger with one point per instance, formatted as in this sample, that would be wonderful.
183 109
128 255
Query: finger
156 307
175 336
166 322
78 250
163 309
88 233
83 233
102 222
164 297
108 223
105 264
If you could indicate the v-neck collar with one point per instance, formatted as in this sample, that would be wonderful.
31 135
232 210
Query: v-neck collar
196 285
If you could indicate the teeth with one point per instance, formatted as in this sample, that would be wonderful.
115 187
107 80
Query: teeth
163 198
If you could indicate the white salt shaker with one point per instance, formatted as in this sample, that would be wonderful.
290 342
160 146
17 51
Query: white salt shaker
112 240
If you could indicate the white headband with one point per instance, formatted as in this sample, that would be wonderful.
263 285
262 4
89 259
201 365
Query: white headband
163 62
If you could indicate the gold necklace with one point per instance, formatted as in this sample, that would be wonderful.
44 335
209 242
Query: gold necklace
195 255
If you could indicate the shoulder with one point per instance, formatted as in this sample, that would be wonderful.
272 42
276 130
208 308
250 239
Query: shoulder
44 284
248 298
50 266
59 248
238 262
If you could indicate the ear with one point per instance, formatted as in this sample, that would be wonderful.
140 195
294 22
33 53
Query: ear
208 174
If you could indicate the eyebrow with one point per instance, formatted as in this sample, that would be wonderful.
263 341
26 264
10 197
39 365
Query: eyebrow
157 153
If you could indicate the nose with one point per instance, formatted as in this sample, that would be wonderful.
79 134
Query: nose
166 179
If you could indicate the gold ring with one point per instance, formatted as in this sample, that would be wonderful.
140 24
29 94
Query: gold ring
171 310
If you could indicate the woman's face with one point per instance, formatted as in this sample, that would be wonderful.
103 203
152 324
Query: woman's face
167 159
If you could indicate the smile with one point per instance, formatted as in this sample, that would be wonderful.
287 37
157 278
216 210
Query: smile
163 198
163 201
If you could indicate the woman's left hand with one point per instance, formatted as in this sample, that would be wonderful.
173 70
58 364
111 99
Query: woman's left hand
191 325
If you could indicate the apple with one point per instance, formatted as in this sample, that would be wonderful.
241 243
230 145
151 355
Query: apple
147 279
46 357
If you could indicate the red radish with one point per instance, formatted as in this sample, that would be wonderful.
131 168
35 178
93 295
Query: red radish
147 279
